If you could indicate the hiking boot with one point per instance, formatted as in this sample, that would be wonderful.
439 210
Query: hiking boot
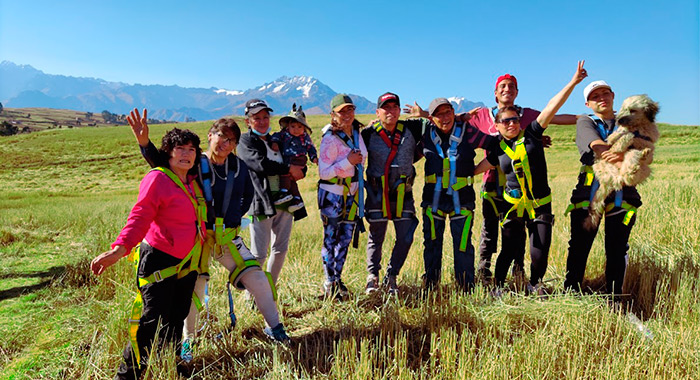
484 272
372 284
186 351
295 205
390 285
278 334
519 279
497 292
282 197
342 289
535 290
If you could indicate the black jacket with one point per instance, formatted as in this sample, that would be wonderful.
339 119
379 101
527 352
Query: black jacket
253 151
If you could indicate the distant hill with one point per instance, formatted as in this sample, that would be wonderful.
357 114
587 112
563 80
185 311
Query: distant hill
24 86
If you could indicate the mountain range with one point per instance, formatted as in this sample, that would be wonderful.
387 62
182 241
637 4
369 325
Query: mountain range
25 86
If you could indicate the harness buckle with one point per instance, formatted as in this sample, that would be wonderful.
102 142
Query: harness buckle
515 193
157 276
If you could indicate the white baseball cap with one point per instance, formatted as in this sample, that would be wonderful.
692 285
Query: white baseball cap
594 86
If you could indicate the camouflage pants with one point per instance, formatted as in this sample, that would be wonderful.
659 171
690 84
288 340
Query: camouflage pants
337 233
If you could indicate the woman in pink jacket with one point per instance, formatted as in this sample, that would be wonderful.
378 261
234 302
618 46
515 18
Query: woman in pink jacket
339 192
167 223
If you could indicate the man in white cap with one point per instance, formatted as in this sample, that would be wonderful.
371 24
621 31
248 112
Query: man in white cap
591 134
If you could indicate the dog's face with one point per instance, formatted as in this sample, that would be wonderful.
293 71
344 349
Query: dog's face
636 111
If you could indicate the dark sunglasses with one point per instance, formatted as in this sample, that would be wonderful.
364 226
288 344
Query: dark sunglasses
510 120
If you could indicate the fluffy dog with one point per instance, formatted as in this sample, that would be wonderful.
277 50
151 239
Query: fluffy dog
635 136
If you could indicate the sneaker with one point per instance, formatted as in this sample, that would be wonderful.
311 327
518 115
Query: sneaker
372 284
186 351
329 289
282 197
296 205
278 334
390 284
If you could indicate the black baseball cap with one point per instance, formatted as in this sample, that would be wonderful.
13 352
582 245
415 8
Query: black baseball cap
386 98
254 106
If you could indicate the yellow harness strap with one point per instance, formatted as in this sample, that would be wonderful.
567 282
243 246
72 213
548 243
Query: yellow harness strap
489 196
194 258
521 161
469 214
348 215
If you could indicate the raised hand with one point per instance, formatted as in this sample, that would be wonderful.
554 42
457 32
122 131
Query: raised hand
580 74
139 125
414 110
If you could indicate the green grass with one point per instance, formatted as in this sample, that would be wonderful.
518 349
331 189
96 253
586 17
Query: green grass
66 195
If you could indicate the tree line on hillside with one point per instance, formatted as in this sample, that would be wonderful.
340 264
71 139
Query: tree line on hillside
114 118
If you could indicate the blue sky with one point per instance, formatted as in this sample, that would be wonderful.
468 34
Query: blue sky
419 50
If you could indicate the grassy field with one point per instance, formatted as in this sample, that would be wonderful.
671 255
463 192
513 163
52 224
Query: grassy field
66 194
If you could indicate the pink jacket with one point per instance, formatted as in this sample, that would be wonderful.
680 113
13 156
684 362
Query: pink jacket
333 162
163 215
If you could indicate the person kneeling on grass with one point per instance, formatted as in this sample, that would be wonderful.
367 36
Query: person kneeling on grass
340 190
521 157
167 222
229 192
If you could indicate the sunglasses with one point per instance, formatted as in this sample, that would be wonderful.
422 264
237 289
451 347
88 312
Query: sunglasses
510 120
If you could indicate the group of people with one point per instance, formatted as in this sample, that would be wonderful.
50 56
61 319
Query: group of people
190 206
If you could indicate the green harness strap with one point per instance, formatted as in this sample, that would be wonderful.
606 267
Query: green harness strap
346 182
469 214
224 237
521 161
489 197
590 177
194 257
631 210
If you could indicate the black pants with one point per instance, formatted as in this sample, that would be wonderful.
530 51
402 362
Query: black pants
616 237
432 252
489 234
513 242
166 302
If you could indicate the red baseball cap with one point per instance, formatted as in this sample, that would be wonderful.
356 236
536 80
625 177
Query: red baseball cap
504 77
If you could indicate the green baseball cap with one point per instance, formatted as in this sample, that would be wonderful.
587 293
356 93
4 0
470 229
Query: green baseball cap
339 101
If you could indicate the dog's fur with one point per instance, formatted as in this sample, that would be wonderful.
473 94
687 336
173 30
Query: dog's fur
635 135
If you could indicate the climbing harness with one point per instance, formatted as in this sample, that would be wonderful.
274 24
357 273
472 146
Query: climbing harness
522 199
449 180
393 145
604 131
194 258
356 212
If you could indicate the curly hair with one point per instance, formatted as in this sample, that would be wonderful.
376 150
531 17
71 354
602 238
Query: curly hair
178 137
227 124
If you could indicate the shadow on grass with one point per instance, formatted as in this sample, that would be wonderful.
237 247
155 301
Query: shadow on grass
71 275
48 275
